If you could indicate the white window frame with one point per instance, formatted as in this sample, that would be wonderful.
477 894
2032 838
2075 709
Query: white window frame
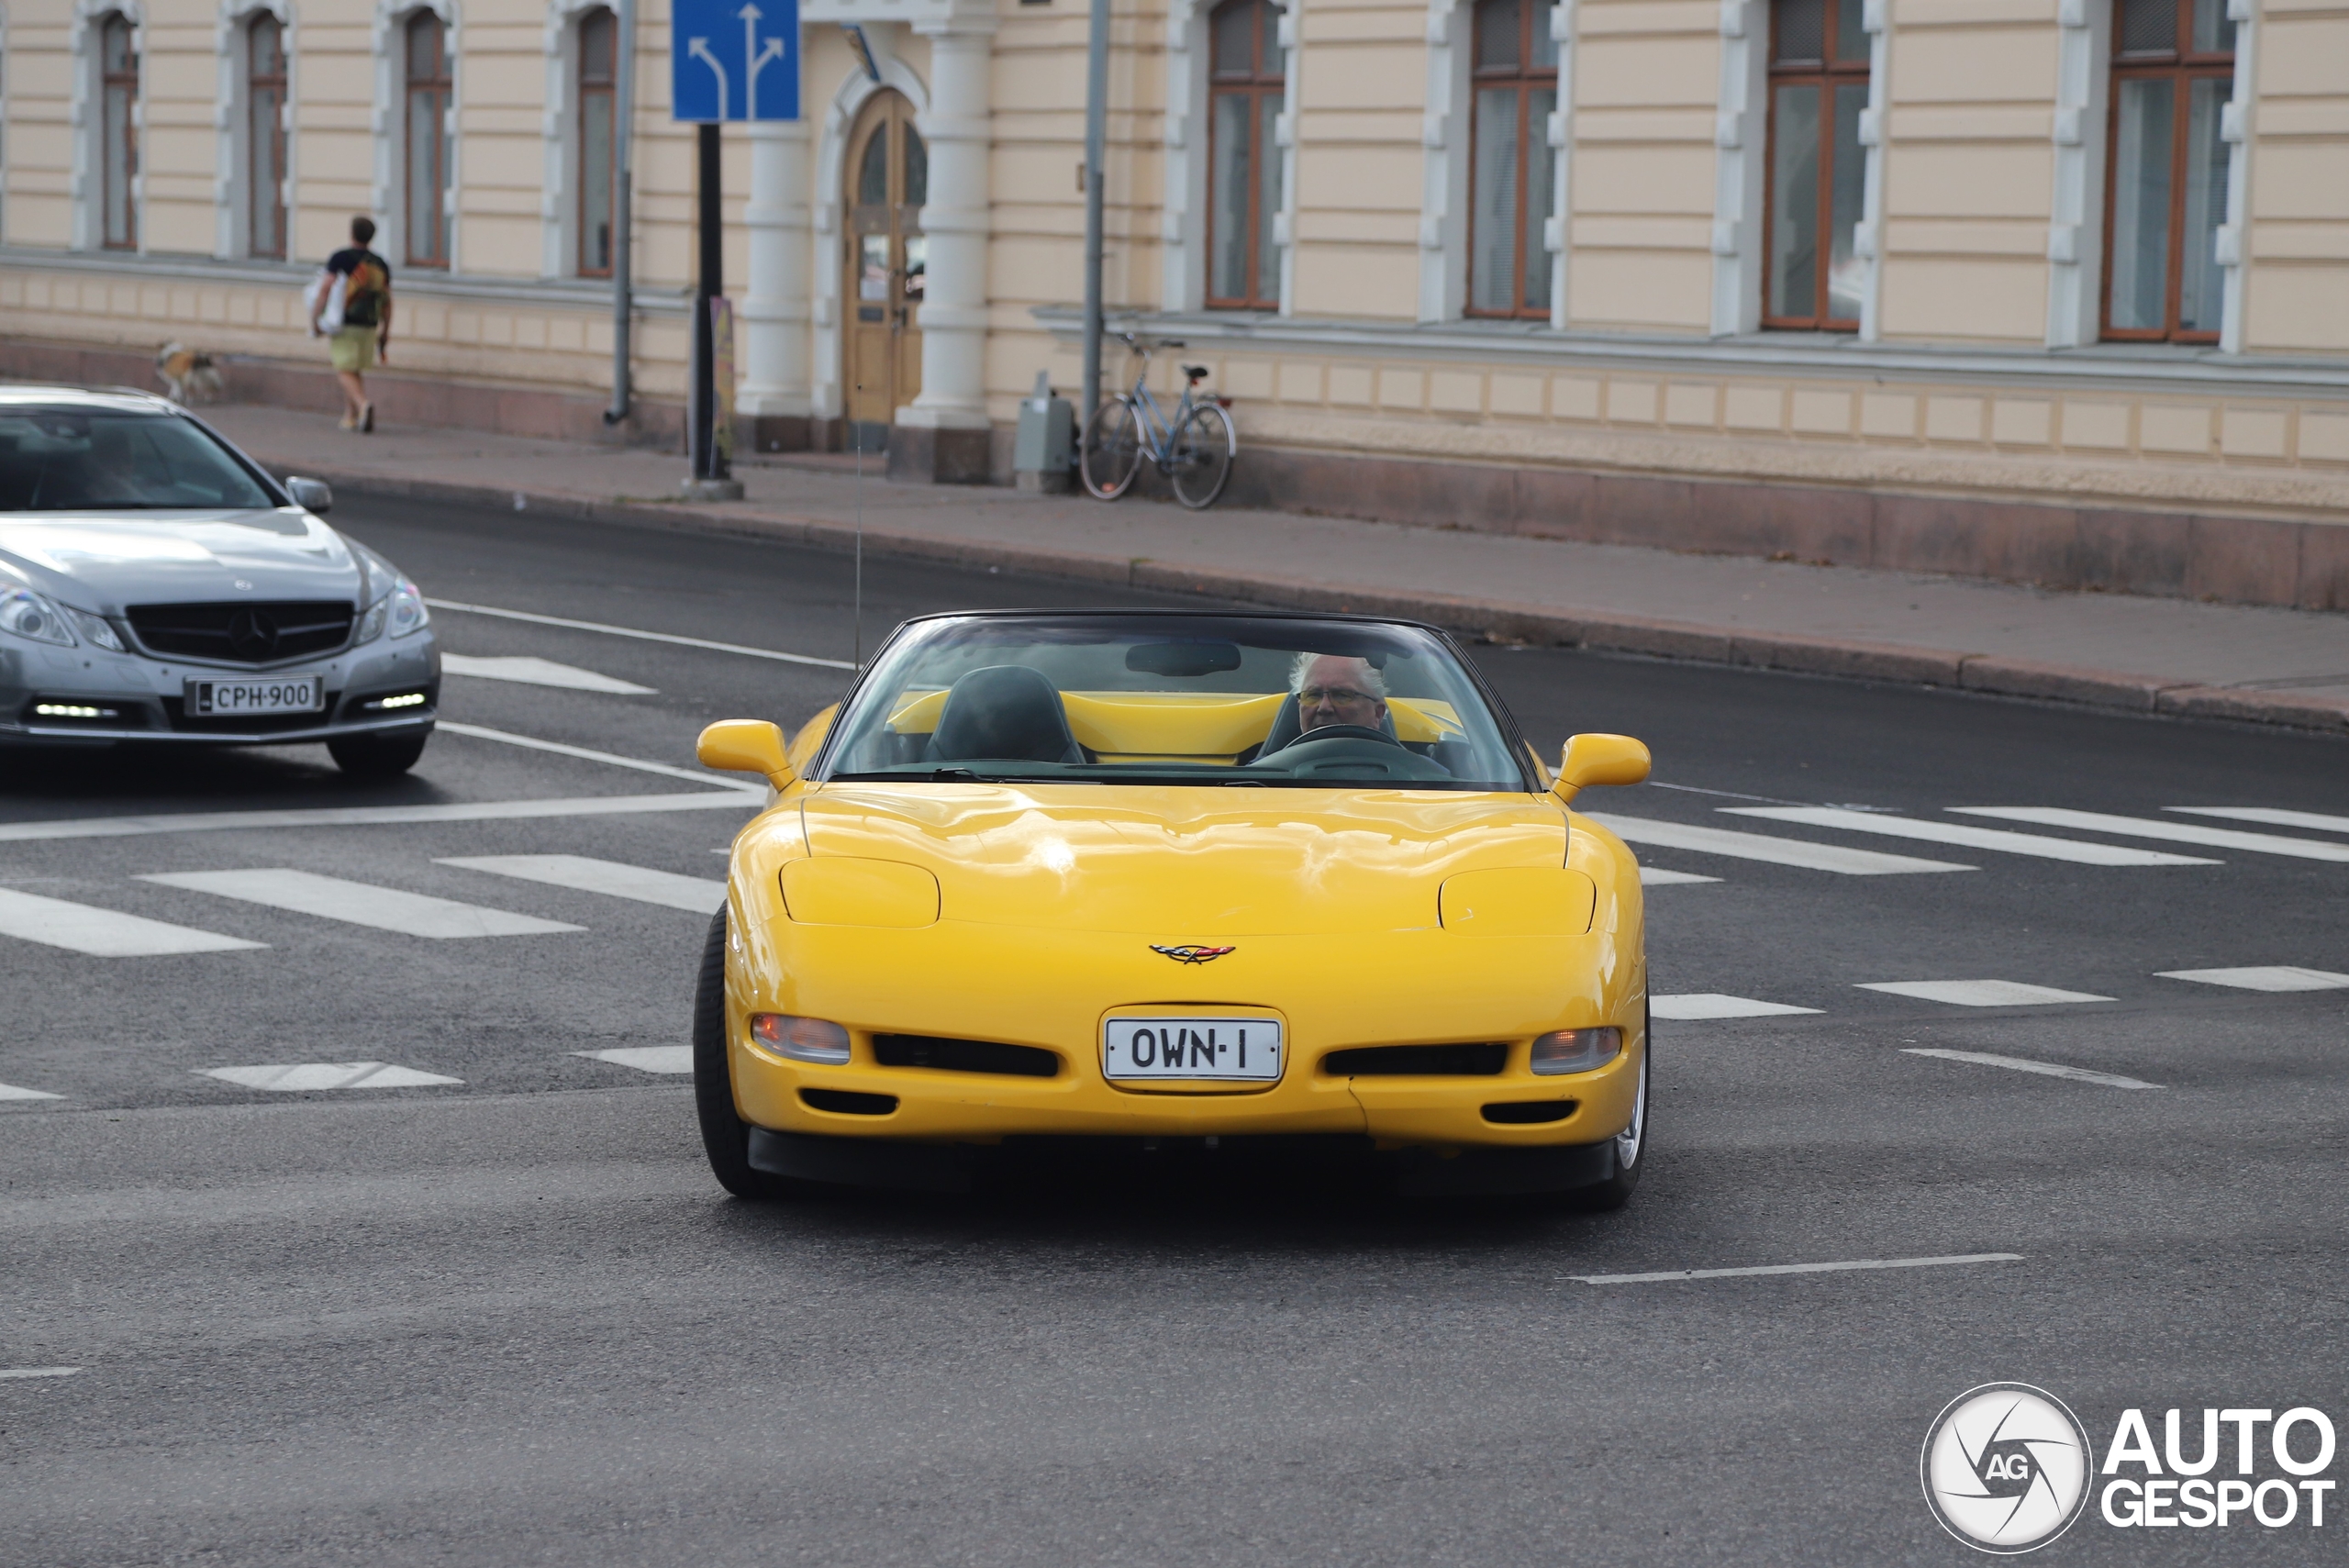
389 127
558 126
2076 235
89 122
232 196
1183 224
1447 183
4 125
1742 144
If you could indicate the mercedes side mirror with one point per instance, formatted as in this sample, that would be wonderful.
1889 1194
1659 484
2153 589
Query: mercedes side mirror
311 495
746 746
1599 760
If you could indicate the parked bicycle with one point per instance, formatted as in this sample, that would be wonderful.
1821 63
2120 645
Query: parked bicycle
1193 444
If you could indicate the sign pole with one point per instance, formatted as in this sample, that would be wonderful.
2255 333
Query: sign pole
711 477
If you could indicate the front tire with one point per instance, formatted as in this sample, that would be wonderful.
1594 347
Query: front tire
376 756
725 1135
1630 1147
1109 454
1204 449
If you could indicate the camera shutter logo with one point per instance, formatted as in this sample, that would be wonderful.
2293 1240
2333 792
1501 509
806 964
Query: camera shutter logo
2006 1467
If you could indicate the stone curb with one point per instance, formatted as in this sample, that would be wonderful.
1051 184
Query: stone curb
1495 620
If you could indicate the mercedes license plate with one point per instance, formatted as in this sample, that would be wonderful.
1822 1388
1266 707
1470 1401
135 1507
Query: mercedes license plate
241 699
1241 1049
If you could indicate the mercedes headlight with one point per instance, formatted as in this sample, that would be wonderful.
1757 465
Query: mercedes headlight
96 630
401 611
28 614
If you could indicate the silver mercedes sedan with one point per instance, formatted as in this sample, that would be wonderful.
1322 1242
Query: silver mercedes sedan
156 584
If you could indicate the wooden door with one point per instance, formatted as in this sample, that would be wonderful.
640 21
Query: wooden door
887 260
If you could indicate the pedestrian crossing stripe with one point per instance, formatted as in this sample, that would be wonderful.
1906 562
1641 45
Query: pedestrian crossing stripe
103 933
2172 832
10 1092
1803 852
646 1058
2273 977
1705 1006
1966 836
699 894
1656 877
360 903
2316 821
1979 992
313 1076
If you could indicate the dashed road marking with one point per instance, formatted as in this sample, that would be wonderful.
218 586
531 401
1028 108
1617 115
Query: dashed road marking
646 1058
699 894
1799 852
2170 832
1701 1005
641 636
16 1371
723 798
610 759
1669 1275
1966 836
10 1092
1980 993
2021 1065
2316 821
320 1075
360 904
531 671
2271 978
104 933
1656 877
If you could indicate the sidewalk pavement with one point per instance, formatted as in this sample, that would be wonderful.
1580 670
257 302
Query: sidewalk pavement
2276 666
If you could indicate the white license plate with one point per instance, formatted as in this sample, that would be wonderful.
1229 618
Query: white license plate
1243 1049
235 699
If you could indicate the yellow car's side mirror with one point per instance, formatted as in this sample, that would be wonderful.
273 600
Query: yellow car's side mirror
1599 760
746 746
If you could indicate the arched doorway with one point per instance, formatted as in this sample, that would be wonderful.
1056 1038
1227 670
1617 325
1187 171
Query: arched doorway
888 167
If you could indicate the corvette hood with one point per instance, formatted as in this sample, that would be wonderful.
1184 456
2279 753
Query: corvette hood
103 563
1182 862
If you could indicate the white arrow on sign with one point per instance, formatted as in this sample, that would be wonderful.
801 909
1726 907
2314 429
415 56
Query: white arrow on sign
756 58
700 50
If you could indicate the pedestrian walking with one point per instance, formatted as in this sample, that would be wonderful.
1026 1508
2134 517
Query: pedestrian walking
351 303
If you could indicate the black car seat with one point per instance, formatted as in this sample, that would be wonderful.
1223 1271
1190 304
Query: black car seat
1007 712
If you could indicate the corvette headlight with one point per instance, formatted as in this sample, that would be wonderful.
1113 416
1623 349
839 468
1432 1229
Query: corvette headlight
399 612
1577 1050
29 615
802 1040
96 630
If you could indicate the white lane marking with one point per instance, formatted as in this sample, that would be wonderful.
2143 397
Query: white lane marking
2048 1069
2172 832
531 671
360 903
370 816
2274 816
1979 992
1966 836
10 1092
641 636
319 1075
14 1372
699 894
1670 1275
612 759
103 933
1656 877
2271 978
1713 1004
1760 847
646 1058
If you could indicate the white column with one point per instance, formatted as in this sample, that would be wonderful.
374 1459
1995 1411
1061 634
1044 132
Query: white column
953 317
775 303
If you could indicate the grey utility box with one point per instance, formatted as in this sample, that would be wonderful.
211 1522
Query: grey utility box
1044 452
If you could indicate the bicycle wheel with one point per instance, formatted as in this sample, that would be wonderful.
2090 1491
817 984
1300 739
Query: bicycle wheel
1110 453
1201 463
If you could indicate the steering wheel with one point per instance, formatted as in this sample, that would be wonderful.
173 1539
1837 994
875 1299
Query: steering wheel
1341 732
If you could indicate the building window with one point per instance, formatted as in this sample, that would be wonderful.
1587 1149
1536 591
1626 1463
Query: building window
118 145
265 136
598 67
1818 176
428 141
1247 80
1514 169
2173 73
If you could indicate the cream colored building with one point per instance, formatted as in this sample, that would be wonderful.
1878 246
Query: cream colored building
2055 290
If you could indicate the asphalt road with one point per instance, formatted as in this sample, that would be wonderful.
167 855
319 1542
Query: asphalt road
508 1318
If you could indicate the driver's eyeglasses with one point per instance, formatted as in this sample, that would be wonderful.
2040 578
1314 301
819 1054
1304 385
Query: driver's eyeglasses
1336 697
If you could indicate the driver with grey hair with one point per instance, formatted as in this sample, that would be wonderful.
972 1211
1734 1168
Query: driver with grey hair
1336 688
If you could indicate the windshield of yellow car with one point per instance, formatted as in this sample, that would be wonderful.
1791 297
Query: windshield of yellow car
1232 700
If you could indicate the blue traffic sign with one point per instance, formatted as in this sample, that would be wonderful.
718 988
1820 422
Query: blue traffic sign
733 60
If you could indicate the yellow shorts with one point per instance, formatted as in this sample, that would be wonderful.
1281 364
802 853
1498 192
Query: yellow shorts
352 348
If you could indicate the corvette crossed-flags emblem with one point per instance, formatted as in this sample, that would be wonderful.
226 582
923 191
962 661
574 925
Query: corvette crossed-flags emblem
1191 954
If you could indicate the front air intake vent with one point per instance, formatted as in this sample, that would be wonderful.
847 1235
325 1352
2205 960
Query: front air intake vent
847 1102
964 1055
1416 1062
1523 1112
240 632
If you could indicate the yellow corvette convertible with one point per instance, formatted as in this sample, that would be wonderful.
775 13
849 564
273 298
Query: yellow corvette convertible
1178 880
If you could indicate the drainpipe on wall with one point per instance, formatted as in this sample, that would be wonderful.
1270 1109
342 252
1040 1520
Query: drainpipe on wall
623 179
1097 121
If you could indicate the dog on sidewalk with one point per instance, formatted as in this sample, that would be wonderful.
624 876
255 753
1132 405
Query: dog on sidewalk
187 375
